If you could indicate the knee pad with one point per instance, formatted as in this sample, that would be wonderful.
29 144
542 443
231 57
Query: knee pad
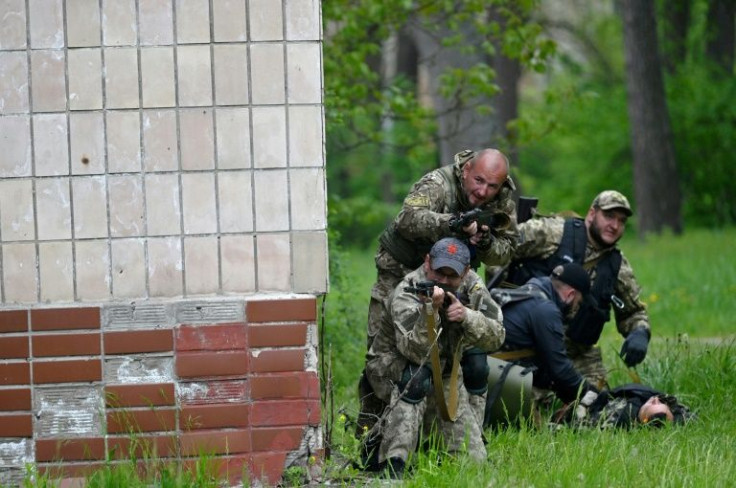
475 371
414 383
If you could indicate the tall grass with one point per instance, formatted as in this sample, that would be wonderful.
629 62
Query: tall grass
689 285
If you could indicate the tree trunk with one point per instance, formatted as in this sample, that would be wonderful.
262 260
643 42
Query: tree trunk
506 102
459 125
720 46
656 183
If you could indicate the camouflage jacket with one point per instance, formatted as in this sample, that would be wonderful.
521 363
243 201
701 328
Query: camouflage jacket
540 238
403 336
432 202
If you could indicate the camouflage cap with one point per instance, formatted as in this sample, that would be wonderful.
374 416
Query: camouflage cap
450 253
610 199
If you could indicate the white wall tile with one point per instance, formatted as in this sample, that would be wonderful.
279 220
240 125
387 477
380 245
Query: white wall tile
90 207
201 264
233 138
303 21
307 198
85 79
87 138
123 141
160 152
266 20
231 74
92 261
229 20
267 73
157 77
236 201
20 278
128 268
165 267
16 210
121 78
48 81
197 135
13 32
192 21
271 197
13 82
83 23
163 210
306 136
127 208
304 73
194 75
119 27
269 137
56 271
274 262
238 264
156 21
15 146
310 262
46 23
198 196
53 204
51 146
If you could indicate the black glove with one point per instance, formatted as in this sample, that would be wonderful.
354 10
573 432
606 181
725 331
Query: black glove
634 348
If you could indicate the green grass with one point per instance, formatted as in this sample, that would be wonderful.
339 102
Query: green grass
689 285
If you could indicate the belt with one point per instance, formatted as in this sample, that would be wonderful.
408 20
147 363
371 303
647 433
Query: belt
514 355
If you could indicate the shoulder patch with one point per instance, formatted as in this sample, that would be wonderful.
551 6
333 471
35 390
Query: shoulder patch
417 201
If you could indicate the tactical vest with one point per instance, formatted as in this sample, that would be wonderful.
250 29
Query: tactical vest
411 253
586 327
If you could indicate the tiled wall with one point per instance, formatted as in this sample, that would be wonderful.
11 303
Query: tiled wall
162 232
160 148
233 380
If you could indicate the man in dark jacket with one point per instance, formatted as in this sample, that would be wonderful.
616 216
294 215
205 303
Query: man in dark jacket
533 315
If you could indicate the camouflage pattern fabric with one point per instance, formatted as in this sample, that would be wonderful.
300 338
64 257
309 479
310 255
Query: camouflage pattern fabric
403 338
405 422
540 238
615 409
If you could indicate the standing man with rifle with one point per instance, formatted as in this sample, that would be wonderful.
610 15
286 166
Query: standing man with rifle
591 242
436 207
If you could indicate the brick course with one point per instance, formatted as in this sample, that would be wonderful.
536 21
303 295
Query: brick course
239 390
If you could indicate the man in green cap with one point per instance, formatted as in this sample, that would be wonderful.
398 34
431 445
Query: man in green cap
591 241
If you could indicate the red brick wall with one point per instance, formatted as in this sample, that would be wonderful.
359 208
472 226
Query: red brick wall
239 391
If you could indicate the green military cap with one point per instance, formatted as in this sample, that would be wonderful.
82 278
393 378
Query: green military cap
610 199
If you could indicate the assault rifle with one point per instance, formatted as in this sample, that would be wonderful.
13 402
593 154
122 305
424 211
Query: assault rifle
494 219
426 288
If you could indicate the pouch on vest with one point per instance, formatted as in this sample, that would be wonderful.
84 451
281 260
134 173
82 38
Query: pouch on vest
587 325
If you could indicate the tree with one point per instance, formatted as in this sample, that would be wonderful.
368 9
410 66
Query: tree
656 182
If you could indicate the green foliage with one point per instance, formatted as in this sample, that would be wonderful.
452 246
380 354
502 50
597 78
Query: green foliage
703 117
380 136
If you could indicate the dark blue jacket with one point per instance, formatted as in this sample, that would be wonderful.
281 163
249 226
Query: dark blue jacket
536 323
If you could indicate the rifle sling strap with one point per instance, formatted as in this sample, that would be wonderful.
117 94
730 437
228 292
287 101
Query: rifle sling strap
448 411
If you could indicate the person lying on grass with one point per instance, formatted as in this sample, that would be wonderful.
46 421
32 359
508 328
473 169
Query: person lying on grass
625 406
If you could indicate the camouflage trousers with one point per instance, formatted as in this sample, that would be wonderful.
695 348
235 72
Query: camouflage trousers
588 362
406 422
